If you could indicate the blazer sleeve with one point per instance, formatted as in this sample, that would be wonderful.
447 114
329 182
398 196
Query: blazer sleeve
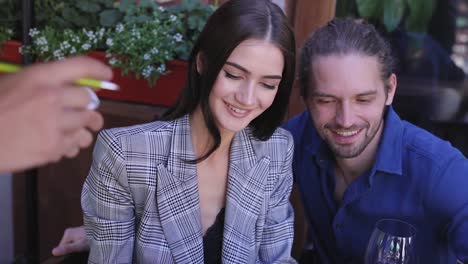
278 232
107 204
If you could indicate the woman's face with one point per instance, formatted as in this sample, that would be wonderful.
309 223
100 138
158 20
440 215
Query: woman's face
246 85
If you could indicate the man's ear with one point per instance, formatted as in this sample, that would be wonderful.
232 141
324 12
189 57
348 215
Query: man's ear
200 63
392 86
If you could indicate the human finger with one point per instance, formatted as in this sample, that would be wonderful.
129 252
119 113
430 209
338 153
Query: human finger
75 141
71 247
95 121
74 120
70 70
78 98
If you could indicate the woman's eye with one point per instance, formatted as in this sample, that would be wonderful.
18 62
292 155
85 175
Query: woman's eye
269 86
231 76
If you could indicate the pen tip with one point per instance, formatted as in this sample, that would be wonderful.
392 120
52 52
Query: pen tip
109 86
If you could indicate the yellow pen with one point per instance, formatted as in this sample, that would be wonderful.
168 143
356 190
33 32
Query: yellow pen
10 68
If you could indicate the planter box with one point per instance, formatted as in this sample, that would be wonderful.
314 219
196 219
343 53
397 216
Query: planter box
9 52
164 93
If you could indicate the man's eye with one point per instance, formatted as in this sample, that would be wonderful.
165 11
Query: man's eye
363 100
324 101
231 76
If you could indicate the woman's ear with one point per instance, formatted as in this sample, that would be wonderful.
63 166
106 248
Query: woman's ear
199 63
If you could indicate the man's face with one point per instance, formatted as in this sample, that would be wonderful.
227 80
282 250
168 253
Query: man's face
347 100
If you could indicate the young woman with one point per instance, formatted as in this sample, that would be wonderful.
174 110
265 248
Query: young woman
211 182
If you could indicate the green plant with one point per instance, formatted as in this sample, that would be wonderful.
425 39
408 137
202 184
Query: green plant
145 38
5 34
413 15
55 44
194 16
145 46
9 17
73 14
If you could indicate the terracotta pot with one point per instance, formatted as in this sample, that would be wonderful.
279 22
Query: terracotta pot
9 51
164 93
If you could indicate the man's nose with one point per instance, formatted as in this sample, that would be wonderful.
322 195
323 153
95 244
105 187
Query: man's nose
345 115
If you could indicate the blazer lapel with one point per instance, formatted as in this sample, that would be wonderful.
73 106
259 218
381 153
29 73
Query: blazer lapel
244 199
177 198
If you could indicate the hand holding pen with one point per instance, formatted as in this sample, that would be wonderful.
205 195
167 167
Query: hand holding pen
44 116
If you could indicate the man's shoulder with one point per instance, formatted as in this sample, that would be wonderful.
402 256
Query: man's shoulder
418 142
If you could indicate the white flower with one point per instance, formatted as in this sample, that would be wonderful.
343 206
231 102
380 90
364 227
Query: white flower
109 42
90 34
178 37
147 71
119 28
86 46
147 56
42 41
33 32
136 33
113 61
58 55
161 9
72 50
161 68
75 39
154 51
65 45
101 32
172 18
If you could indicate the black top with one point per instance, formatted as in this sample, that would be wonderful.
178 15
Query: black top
213 240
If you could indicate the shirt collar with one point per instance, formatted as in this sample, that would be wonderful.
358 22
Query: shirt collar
389 153
313 143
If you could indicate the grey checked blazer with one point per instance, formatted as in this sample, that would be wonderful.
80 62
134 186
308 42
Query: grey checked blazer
141 205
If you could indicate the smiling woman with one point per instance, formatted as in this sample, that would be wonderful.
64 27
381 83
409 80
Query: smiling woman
213 178
246 86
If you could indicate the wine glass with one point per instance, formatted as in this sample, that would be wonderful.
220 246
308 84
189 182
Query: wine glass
391 242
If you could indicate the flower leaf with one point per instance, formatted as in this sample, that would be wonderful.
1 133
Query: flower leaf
109 17
393 13
420 12
369 8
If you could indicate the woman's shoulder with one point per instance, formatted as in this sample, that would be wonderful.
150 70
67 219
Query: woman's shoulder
156 127
279 144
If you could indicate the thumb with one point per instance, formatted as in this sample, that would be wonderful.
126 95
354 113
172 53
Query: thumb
58 251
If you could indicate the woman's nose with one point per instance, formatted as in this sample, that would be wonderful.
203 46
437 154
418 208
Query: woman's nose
246 94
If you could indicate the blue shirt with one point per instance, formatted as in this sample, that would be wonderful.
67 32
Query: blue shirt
416 177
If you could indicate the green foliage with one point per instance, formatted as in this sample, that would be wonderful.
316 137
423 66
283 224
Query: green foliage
138 37
194 16
9 18
144 46
370 9
420 14
413 15
5 34
74 14
55 44
393 13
